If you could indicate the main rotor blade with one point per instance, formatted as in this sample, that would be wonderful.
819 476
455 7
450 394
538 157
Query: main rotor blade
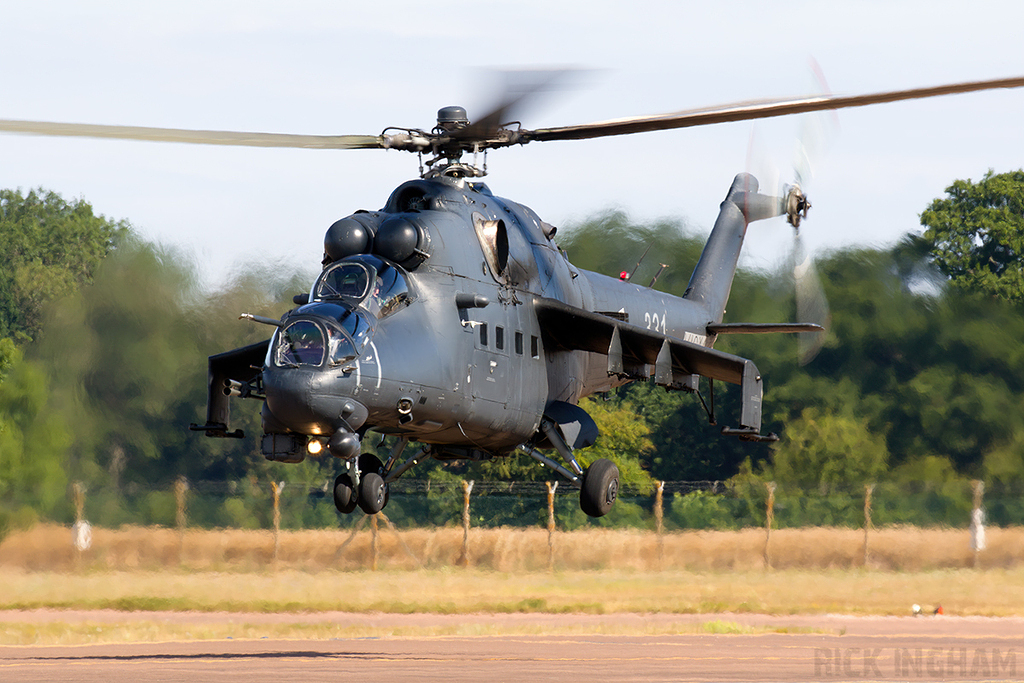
520 87
201 137
761 109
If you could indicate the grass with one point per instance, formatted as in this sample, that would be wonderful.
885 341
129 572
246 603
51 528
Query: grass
48 548
597 572
140 631
466 591
719 627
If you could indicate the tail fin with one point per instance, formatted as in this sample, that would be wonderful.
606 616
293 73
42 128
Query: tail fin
712 278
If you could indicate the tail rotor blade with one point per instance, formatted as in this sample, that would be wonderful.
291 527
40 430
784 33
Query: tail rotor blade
811 304
817 131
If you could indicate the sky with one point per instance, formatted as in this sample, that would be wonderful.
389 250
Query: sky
327 67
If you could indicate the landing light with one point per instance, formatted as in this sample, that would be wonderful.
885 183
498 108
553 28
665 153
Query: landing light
314 446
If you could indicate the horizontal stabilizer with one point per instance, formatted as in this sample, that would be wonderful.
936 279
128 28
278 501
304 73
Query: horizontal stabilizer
762 328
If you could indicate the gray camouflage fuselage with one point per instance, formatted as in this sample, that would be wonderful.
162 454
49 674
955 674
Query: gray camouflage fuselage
480 376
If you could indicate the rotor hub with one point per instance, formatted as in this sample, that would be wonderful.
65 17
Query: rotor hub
452 118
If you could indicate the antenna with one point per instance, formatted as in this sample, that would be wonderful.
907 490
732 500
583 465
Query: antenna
656 275
642 257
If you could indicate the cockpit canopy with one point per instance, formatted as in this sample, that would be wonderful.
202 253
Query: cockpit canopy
301 343
346 303
364 281
337 334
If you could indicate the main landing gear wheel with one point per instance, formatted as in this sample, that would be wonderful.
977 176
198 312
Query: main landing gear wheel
373 492
344 496
600 488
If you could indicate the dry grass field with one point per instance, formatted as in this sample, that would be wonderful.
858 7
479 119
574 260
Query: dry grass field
814 571
49 548
468 591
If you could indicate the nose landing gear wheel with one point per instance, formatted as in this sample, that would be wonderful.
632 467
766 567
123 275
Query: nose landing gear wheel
373 492
344 496
600 488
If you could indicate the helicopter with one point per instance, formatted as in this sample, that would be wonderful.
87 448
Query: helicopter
450 318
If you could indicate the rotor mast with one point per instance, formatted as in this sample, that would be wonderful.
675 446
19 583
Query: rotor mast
452 137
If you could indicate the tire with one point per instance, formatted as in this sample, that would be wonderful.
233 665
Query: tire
368 462
372 493
344 496
600 488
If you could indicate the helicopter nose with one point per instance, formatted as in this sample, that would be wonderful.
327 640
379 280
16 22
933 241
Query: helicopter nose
312 402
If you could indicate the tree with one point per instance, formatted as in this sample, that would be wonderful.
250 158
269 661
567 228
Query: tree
49 248
824 451
33 443
610 243
7 356
624 439
976 234
127 358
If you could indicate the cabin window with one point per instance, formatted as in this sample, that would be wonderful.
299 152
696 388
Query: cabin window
483 334
499 338
519 343
534 346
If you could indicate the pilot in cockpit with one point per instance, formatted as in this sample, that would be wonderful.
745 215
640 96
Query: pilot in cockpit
375 302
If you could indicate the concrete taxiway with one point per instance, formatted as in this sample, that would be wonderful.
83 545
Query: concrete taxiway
841 648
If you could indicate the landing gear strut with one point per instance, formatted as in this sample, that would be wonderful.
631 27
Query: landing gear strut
599 484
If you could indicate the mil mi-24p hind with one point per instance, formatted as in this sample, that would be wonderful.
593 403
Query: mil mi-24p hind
450 317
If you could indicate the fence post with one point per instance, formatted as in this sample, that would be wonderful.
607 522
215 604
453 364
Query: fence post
552 485
769 518
180 488
78 489
977 522
82 533
659 520
868 489
277 487
467 487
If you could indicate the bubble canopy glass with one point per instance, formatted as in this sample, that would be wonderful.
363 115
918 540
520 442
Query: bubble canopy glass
365 281
346 303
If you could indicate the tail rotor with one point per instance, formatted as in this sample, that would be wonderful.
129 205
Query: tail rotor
816 131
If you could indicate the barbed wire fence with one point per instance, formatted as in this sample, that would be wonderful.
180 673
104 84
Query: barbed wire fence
665 508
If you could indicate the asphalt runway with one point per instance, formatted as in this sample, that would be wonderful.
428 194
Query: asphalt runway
845 649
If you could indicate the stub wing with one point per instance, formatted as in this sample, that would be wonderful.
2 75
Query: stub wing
641 353
241 366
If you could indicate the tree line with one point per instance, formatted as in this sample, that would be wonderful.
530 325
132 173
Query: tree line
104 339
